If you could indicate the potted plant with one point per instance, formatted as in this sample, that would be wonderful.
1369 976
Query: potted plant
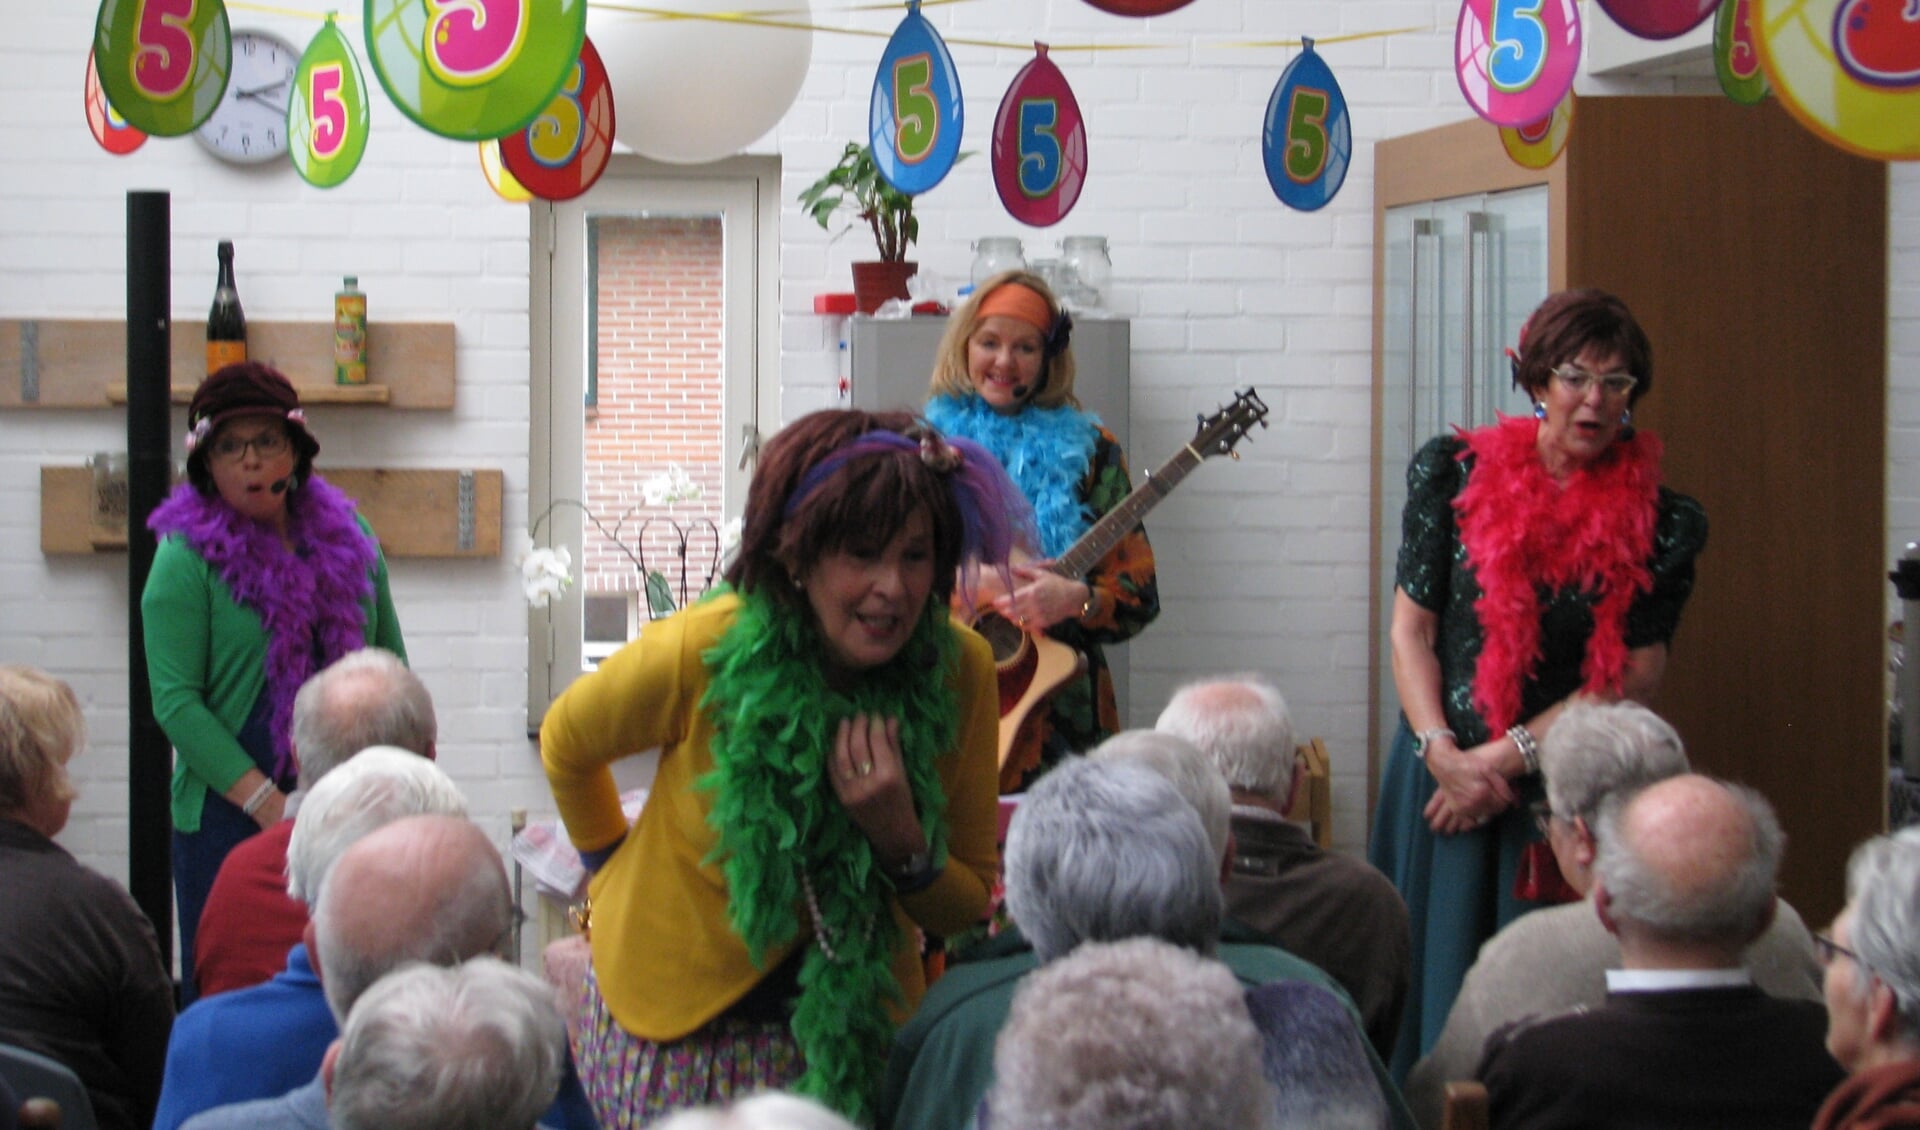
855 183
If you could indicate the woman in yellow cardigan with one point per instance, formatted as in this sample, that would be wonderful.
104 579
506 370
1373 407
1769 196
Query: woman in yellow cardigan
827 779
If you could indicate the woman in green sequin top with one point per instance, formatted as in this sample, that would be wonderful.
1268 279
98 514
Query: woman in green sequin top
1540 559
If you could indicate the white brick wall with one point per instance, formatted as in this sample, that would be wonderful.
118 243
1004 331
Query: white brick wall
1263 562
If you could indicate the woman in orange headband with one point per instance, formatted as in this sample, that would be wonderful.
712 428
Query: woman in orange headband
1003 378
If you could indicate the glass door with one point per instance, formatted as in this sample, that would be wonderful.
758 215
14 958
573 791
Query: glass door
648 416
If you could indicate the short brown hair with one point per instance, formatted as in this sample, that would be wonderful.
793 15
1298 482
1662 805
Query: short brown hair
950 360
864 502
40 729
1569 323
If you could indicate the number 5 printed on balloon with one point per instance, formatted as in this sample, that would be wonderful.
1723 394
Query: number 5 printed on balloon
163 64
470 42
1307 143
565 150
1516 59
1039 144
915 116
327 118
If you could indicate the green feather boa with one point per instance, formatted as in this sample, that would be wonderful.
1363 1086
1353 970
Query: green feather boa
775 811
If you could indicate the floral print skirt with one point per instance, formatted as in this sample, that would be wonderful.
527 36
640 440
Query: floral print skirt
632 1082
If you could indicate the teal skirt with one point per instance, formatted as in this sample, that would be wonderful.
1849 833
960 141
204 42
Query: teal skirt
1458 889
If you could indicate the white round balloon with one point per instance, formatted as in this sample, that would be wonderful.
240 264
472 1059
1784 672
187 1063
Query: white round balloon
695 90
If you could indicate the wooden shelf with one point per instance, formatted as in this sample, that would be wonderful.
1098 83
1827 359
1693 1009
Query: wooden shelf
79 363
309 394
415 513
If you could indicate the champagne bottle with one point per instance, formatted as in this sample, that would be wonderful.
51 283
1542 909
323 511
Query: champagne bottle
226 323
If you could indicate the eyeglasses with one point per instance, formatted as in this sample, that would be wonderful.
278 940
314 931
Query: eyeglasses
1825 948
1542 816
1578 380
268 444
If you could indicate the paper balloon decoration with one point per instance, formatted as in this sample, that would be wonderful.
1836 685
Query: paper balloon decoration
163 63
503 183
1515 59
566 148
107 126
1847 69
1139 7
1039 145
327 119
1658 19
1736 58
1539 145
1308 140
915 117
473 69
698 88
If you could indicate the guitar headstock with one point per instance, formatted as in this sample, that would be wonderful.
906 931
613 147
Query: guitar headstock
1219 432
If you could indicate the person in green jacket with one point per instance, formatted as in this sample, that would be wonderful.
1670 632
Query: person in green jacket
264 575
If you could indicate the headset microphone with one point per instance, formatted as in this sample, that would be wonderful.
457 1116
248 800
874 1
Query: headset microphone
280 485
1021 392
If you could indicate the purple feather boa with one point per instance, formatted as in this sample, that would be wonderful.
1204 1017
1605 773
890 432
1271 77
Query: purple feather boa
311 602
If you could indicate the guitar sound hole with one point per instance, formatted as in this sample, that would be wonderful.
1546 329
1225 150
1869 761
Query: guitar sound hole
1003 635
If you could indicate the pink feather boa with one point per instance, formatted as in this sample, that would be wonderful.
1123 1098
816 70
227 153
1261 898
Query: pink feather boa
311 602
1522 531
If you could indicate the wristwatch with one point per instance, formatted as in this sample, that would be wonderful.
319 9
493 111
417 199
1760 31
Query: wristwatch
915 866
1425 738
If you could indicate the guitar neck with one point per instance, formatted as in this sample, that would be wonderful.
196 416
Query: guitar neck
1114 524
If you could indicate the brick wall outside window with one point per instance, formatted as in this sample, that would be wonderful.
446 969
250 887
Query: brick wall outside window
660 393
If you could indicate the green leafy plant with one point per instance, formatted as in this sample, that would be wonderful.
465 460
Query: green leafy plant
855 183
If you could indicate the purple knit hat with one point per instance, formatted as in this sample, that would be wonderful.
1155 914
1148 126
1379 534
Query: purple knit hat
248 388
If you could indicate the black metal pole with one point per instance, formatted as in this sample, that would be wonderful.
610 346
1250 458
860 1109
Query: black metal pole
149 463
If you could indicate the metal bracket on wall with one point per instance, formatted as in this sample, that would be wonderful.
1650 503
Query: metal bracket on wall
29 362
466 505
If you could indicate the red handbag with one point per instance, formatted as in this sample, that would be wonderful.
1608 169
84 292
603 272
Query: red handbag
1539 879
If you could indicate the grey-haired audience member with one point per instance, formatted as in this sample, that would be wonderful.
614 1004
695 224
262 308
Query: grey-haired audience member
216 1064
423 888
372 789
1684 880
1331 909
772 1110
365 698
478 1046
1103 852
1873 989
1129 1035
1556 958
1184 766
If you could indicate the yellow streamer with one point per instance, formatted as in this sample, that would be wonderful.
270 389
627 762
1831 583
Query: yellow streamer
791 19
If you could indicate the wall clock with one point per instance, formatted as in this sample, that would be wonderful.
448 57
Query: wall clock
249 126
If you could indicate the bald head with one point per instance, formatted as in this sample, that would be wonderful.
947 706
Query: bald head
423 888
1690 860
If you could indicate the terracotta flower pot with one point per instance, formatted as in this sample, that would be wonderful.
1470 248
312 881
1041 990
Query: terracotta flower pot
874 283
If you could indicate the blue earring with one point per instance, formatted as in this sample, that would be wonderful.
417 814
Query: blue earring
1539 409
1626 418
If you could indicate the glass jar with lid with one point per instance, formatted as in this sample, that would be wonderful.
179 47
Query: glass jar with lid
1087 255
994 254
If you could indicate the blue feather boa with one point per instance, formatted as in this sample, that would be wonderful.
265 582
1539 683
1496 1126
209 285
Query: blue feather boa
1046 452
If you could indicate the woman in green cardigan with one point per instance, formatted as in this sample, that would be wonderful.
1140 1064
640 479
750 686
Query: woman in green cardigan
264 575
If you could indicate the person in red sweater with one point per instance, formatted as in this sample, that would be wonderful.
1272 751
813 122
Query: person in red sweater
365 698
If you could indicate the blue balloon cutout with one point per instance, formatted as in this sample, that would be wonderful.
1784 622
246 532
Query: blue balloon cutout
1308 140
916 116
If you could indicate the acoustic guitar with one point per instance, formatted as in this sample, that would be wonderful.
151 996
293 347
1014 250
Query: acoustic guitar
1034 666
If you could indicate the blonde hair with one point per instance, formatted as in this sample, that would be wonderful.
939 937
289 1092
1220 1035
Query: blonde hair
950 360
40 729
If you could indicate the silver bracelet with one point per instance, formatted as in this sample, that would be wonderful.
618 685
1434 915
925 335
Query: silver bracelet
258 798
1529 748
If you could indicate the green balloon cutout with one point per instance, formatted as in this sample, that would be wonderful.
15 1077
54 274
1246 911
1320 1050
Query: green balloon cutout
474 70
327 116
1736 57
163 63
